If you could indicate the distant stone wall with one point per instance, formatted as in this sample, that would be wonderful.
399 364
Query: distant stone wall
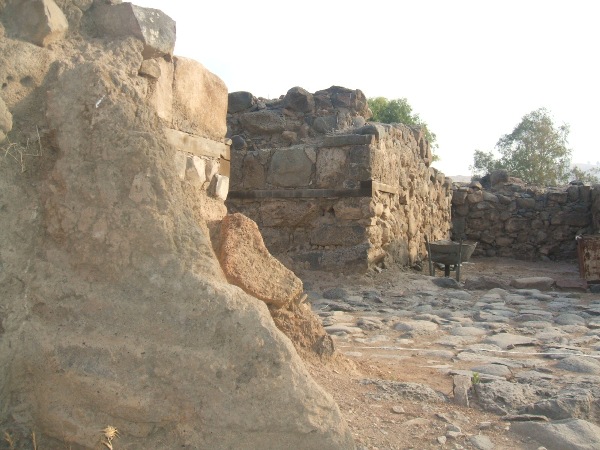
329 191
517 221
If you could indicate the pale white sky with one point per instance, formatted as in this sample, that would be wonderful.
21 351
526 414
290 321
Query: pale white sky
470 69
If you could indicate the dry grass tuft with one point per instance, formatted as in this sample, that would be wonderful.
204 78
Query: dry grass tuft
109 434
9 440
21 153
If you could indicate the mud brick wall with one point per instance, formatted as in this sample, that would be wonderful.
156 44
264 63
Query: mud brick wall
327 189
513 220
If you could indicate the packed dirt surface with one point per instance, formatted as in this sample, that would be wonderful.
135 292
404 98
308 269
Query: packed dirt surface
376 355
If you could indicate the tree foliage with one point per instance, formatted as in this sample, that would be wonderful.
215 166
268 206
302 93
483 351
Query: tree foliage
591 176
536 151
399 111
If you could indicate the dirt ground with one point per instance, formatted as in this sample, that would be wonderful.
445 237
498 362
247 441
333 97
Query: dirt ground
382 421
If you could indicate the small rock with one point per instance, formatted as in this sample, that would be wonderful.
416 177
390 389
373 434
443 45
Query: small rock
541 283
417 327
569 319
398 409
481 442
498 370
462 384
335 294
504 340
150 69
441 440
446 283
418 422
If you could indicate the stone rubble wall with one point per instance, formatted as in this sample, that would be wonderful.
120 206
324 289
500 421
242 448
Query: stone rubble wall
517 221
328 190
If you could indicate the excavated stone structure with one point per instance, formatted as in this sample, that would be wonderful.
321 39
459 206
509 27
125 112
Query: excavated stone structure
115 310
514 220
328 190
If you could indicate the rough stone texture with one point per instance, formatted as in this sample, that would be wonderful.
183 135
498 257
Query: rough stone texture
5 120
40 22
311 153
153 27
540 283
240 101
523 222
595 196
114 307
199 100
568 434
248 264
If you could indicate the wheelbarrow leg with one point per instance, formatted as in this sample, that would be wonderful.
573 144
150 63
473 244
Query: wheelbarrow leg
446 270
431 268
459 261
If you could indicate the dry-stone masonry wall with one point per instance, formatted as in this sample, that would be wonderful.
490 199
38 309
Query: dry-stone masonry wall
329 190
514 220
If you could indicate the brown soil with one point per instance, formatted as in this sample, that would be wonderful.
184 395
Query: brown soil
370 413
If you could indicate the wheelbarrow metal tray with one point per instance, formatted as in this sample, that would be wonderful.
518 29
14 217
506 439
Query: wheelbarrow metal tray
446 252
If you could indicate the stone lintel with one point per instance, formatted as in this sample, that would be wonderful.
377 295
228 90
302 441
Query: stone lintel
366 189
197 145
342 140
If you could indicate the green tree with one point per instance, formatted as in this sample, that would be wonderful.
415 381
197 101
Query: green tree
399 111
591 176
536 151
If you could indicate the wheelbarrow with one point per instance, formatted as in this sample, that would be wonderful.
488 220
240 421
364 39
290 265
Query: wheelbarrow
450 254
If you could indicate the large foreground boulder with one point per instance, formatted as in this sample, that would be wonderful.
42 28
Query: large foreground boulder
115 310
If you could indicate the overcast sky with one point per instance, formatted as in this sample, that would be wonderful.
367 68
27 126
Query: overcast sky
470 69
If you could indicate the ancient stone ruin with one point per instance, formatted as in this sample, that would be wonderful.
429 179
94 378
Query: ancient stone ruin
514 220
115 307
328 190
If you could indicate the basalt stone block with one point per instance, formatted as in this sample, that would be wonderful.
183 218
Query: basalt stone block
558 197
526 203
153 27
40 22
263 122
459 197
298 99
240 101
336 235
577 219
290 168
325 124
343 140
498 176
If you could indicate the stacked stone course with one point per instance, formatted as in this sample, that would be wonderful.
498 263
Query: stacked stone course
327 189
518 221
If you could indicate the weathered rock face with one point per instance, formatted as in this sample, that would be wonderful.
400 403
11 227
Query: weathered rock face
514 220
596 208
115 309
328 191
151 26
248 264
5 120
40 22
